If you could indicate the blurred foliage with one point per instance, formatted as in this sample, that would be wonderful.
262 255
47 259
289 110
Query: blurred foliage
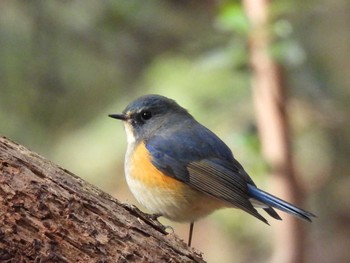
64 65
231 17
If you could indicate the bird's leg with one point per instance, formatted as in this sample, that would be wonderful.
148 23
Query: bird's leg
155 216
190 234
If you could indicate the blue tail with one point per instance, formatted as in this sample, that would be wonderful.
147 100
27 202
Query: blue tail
278 203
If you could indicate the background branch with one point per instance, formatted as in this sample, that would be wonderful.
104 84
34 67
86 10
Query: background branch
272 120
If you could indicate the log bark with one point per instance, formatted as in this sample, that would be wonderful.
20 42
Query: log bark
48 214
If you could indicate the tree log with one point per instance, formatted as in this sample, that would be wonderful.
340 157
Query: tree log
48 214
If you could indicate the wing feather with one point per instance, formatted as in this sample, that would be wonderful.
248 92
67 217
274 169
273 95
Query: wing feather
211 177
208 167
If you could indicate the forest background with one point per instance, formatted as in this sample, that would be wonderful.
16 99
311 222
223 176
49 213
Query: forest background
65 65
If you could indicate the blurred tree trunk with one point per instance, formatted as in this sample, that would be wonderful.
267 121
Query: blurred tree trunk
270 105
48 214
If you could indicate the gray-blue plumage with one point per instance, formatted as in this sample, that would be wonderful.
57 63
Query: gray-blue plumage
184 149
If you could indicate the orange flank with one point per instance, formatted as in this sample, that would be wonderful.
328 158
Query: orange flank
164 195
144 171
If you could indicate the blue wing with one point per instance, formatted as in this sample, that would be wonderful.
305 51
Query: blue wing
174 150
197 157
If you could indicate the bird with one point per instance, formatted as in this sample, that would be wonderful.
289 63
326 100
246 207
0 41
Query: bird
179 169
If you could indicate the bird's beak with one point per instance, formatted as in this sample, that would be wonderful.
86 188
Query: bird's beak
120 116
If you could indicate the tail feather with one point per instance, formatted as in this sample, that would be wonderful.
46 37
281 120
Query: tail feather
275 202
272 213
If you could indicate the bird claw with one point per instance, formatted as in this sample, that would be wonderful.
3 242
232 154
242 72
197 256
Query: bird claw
169 228
155 216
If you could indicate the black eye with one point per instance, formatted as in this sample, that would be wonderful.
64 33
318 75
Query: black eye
146 115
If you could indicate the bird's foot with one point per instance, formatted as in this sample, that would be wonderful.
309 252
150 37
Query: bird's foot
155 216
172 231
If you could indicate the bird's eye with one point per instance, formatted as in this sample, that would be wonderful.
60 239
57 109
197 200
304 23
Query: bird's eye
146 115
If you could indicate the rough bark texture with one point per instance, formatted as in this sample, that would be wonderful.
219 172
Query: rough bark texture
270 106
47 214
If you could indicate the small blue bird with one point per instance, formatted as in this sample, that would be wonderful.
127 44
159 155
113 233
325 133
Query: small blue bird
179 169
